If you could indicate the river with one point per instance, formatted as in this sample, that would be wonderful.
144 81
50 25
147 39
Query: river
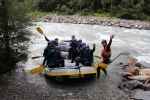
21 85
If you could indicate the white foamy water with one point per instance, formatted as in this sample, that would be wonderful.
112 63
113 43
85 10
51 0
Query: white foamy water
135 41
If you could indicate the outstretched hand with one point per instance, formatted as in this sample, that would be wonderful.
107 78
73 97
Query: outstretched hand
112 36
94 45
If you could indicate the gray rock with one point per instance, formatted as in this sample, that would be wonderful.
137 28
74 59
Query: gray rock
142 95
131 85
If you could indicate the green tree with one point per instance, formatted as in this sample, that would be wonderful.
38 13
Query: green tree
146 7
13 34
129 9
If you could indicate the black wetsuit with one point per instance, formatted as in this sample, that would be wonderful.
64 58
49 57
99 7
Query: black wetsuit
53 57
85 56
73 50
49 56
91 51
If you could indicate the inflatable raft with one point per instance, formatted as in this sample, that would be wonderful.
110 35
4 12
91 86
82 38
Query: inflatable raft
71 71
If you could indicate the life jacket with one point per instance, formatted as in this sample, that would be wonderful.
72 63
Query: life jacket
106 54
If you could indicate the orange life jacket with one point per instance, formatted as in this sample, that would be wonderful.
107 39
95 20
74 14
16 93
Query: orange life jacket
106 54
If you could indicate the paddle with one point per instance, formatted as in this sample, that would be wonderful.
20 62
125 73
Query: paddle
123 53
39 69
42 33
36 57
40 30
98 57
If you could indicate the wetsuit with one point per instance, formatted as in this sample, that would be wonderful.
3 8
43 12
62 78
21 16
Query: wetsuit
49 56
73 50
85 56
52 57
91 55
106 54
59 60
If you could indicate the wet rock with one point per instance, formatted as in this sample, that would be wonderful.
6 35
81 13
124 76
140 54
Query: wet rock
142 95
131 85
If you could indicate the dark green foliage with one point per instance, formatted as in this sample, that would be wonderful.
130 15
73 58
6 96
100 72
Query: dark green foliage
13 21
128 9
146 7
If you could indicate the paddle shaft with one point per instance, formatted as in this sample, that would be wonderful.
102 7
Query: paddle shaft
36 57
123 53
98 57
114 57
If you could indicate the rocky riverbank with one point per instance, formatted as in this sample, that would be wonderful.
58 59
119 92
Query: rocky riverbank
96 21
136 80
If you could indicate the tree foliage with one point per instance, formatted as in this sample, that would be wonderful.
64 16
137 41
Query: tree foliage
130 9
13 35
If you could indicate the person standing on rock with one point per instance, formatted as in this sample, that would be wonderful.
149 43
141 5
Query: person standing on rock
105 55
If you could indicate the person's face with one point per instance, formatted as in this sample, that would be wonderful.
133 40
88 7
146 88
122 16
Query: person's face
49 45
104 43
56 40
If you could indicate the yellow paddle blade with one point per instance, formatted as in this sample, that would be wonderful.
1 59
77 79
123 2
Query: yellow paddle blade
39 69
102 66
39 30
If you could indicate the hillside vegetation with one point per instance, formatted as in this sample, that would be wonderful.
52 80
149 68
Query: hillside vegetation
125 9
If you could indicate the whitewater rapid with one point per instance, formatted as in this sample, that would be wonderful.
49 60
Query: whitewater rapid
135 41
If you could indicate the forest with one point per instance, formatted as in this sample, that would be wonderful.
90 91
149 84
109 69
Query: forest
126 9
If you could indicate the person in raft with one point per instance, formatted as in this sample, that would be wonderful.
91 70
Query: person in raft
105 56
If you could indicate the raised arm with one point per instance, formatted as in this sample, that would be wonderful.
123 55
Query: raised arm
94 46
45 56
46 38
110 41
